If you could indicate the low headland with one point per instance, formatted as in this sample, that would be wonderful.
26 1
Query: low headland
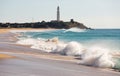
22 60
43 24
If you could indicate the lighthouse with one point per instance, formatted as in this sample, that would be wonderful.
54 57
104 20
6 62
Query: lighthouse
58 14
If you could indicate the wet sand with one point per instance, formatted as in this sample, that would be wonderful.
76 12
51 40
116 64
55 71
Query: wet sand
19 60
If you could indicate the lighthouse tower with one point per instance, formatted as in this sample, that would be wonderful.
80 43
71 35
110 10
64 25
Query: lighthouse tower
58 14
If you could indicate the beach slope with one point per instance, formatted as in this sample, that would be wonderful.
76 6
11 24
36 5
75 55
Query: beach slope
18 60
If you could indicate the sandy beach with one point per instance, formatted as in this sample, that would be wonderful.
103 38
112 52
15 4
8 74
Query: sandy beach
6 30
20 60
3 56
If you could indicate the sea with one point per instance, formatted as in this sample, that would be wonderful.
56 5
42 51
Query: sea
96 47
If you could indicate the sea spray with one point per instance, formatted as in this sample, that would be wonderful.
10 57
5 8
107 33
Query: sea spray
73 48
59 49
75 29
88 44
94 56
98 57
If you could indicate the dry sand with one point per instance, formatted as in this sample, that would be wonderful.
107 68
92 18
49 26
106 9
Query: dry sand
4 56
5 30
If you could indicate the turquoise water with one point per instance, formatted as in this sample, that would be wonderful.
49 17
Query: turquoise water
112 34
99 39
109 38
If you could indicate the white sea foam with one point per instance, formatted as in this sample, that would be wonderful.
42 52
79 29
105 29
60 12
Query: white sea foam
38 44
59 48
94 56
73 48
75 29
99 57
28 41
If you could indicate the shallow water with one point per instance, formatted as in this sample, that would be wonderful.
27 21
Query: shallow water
110 37
96 47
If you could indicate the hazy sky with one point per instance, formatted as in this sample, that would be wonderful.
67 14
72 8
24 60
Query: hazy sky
93 13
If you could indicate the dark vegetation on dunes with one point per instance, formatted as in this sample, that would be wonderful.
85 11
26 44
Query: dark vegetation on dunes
43 24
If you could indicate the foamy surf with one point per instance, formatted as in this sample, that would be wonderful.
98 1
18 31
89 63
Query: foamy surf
94 54
75 29
98 57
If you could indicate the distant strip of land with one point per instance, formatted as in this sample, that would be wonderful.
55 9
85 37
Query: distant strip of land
43 24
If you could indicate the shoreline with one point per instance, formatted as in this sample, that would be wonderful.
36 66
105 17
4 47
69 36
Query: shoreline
6 30
25 50
41 54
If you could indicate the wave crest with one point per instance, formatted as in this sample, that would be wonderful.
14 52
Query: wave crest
94 56
75 29
98 57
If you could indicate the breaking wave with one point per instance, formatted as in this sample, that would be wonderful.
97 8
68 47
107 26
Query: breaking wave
99 48
75 30
99 57
93 56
